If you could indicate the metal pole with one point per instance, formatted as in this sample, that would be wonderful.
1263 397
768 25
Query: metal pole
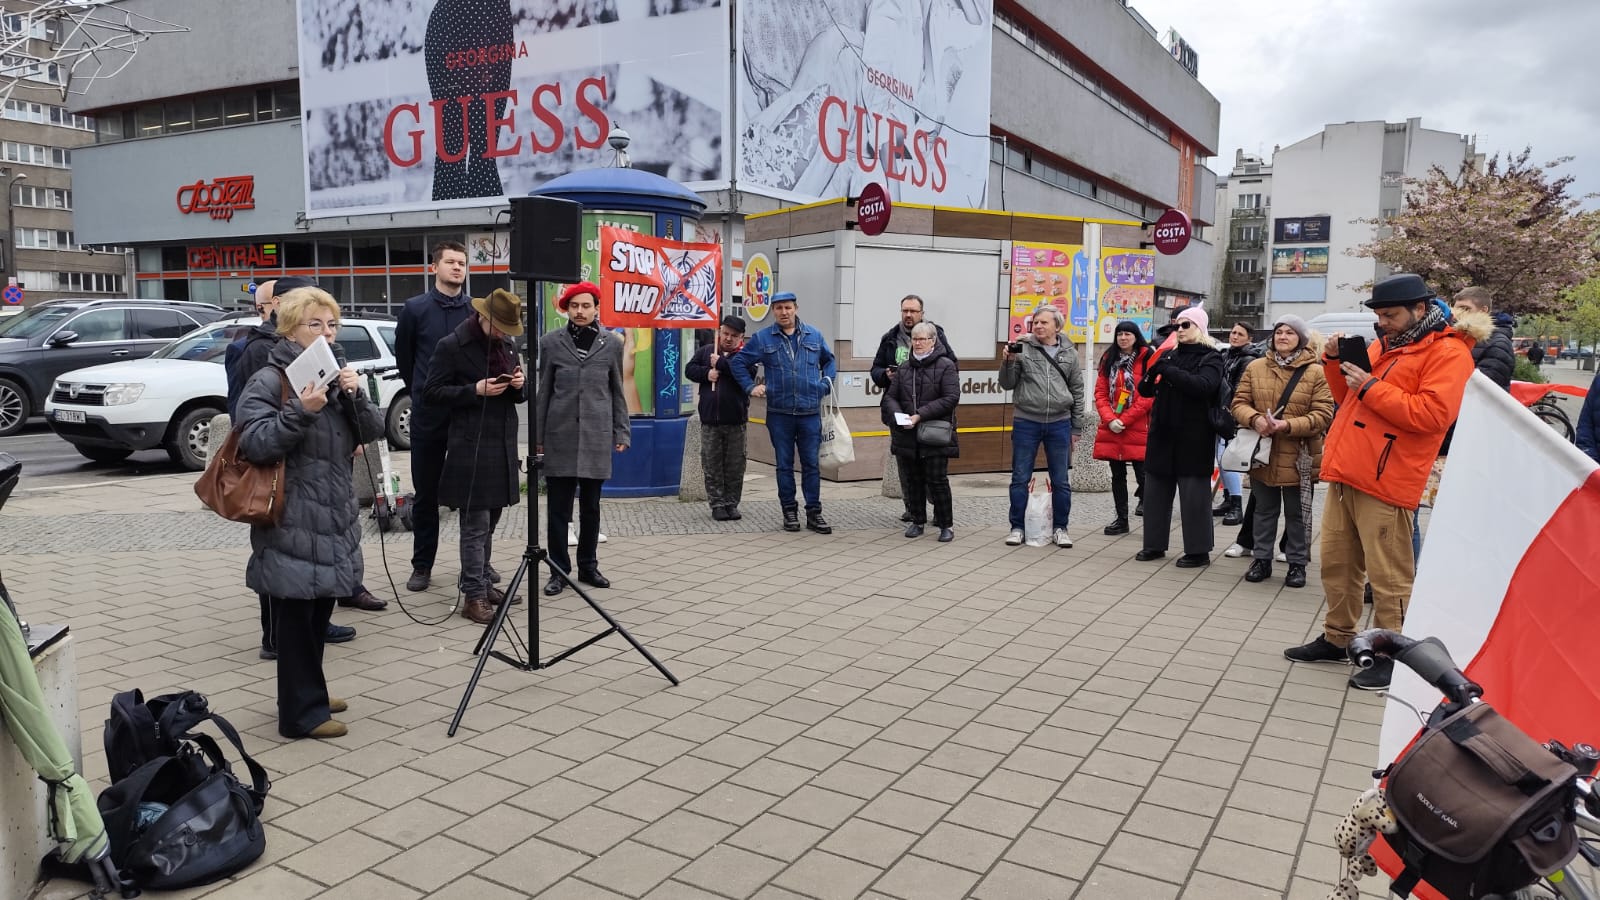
1091 249
10 268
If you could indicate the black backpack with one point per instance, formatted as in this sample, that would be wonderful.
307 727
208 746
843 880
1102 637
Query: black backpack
139 731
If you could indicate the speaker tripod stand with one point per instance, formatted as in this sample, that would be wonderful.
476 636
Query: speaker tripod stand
527 574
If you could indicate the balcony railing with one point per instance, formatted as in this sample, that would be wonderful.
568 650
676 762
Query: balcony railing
1245 278
1251 212
1246 244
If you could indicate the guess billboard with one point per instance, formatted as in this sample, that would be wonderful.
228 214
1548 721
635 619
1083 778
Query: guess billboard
463 102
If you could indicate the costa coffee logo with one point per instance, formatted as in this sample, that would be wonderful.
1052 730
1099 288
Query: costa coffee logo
220 198
1171 232
873 209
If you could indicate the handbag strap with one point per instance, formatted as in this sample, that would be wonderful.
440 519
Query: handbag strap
1288 389
1051 362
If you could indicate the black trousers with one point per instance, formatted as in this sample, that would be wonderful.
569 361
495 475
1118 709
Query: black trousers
1247 531
428 442
928 478
559 492
269 627
1194 511
302 629
1119 483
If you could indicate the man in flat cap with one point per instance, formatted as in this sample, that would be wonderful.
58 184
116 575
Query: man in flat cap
1393 415
724 410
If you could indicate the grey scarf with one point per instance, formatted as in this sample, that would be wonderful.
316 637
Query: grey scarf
1433 320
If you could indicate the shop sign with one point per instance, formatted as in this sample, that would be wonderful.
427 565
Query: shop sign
220 198
759 286
873 209
1172 232
234 256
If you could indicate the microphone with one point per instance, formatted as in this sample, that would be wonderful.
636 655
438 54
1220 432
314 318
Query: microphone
341 359
346 398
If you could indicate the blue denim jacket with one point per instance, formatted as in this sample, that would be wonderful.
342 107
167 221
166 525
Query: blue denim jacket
795 366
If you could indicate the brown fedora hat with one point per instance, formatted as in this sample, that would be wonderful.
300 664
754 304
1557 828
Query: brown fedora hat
503 308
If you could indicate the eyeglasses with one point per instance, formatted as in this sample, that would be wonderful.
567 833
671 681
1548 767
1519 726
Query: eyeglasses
1185 325
922 340
319 325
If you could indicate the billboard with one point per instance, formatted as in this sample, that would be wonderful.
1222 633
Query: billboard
1059 275
1300 261
1305 230
420 105
835 95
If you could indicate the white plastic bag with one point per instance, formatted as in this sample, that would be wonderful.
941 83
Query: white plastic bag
838 448
1247 450
1037 518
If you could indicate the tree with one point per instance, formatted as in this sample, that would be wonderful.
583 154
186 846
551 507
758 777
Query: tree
1583 312
1511 228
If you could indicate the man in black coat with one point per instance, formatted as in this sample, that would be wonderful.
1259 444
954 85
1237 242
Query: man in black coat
475 380
1494 356
893 349
426 319
724 411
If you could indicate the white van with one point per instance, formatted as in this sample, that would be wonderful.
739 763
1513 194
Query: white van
1352 322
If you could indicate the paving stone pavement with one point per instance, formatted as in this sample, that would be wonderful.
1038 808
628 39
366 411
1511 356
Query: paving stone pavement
860 715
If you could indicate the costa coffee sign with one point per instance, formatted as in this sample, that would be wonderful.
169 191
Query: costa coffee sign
872 209
1171 232
219 198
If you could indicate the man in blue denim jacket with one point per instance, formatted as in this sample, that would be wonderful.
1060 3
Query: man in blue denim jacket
799 369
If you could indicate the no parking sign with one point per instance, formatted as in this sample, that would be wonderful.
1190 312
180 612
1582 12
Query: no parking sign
12 294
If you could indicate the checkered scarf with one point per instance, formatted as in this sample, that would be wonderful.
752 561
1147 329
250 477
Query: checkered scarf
1431 321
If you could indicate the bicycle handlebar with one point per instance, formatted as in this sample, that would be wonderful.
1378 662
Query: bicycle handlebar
1427 657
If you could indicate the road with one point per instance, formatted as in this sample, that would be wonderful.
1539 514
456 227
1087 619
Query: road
49 461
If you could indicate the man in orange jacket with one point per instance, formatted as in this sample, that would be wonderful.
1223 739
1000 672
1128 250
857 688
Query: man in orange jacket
1376 461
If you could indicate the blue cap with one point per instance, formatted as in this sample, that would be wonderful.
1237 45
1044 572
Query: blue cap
785 297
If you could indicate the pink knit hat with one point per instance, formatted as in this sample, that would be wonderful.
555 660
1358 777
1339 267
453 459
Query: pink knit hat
1197 315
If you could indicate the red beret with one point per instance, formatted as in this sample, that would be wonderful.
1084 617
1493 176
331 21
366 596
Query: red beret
573 290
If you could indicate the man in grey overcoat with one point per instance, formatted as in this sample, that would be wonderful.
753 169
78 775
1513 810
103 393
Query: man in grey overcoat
582 418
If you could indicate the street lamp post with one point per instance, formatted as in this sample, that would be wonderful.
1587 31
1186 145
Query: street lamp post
11 229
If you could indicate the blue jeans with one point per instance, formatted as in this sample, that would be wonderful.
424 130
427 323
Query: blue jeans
1232 482
789 432
1026 436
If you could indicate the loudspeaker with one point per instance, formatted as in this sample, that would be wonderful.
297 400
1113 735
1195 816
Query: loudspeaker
546 239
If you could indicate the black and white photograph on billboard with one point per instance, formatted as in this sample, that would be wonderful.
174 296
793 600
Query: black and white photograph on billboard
834 94
411 104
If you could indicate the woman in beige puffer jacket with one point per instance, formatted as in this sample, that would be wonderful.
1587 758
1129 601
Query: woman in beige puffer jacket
1296 429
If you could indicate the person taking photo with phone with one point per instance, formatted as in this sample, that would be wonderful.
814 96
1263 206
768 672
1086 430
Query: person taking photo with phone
1395 404
475 378
1043 369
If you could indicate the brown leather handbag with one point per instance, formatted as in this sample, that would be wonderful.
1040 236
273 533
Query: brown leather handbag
240 490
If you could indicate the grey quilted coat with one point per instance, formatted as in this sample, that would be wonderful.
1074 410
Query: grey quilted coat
315 551
582 414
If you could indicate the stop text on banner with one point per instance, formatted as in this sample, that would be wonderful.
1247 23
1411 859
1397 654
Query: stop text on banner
651 282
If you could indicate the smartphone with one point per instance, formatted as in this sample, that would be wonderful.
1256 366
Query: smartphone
501 379
1353 348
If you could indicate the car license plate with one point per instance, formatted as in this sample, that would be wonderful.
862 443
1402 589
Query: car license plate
70 415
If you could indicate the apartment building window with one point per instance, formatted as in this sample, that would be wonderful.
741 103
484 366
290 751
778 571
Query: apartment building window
1249 201
12 26
1389 213
42 198
1250 234
35 239
37 281
33 69
43 113
1055 57
36 155
66 240
90 282
1247 265
1244 298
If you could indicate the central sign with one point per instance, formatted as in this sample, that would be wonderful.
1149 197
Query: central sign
234 256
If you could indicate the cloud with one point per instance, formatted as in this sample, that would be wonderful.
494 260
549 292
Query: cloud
1514 75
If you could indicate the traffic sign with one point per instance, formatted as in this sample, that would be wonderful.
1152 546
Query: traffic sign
12 294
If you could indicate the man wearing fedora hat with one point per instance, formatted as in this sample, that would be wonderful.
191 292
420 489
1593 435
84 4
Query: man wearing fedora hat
1393 415
475 379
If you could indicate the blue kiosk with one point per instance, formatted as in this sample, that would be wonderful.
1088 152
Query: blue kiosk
653 374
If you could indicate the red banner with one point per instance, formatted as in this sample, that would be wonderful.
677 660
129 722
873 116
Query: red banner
651 282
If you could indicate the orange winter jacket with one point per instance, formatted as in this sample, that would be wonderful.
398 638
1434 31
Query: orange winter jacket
1387 434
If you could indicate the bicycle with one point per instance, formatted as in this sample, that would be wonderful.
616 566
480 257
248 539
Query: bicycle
1549 413
1431 661
1540 399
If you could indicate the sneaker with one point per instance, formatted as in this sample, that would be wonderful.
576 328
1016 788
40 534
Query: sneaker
719 514
913 530
1375 678
946 535
339 634
791 519
268 653
1234 551
1319 650
817 523
1281 556
1014 539
1062 539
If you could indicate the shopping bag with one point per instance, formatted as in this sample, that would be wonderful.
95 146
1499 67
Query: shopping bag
1247 450
1036 519
838 448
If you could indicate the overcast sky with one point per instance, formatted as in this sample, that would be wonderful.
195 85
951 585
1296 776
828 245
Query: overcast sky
1513 73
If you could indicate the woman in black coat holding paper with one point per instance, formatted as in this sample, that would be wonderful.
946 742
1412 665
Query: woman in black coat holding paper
1181 449
925 390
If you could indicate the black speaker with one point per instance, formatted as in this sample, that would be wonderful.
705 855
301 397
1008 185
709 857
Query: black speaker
546 239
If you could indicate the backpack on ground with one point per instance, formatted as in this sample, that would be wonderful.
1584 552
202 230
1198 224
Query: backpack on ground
175 814
1482 807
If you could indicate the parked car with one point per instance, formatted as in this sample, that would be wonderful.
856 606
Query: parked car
61 335
108 412
1356 323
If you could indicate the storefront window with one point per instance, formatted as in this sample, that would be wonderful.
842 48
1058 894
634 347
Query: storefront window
482 283
407 250
333 253
298 255
149 259
150 290
404 287
371 293
206 290
175 289
236 292
174 259
338 286
368 252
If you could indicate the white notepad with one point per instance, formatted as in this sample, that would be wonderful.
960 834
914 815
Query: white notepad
315 365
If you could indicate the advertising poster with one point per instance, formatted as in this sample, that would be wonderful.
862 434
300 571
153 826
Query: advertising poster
1127 290
1305 230
489 251
1300 261
759 286
838 94
416 104
639 346
1051 274
651 282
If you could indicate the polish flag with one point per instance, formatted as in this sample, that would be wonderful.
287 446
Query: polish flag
1509 579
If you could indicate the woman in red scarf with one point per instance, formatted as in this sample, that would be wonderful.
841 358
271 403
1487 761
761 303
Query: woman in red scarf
1124 417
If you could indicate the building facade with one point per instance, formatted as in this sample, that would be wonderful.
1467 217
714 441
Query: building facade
40 248
1244 209
212 127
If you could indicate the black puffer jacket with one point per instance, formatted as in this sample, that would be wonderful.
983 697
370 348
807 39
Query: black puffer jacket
930 388
1495 356
480 465
1236 359
1184 381
315 551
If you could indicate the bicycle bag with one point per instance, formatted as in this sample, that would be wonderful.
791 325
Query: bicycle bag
138 732
1482 808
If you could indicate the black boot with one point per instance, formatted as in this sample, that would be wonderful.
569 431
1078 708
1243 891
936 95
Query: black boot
1120 526
1234 515
791 519
1221 509
1139 509
1296 577
1260 570
817 523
